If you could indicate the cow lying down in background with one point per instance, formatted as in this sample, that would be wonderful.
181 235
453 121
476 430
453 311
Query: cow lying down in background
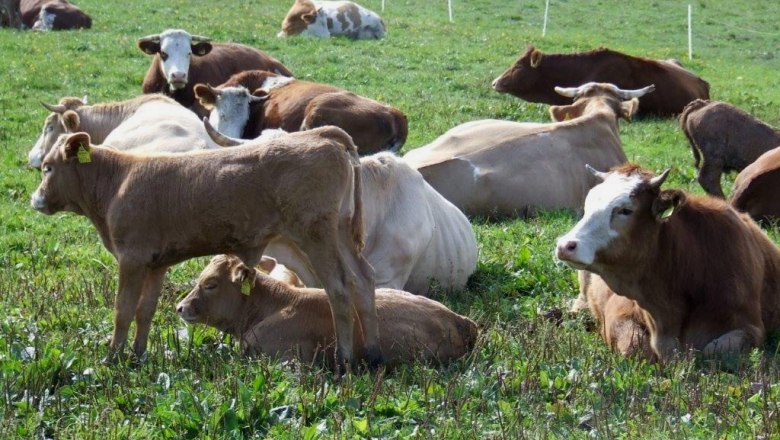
276 319
326 18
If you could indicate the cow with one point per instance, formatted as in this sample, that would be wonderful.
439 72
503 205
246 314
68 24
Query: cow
174 70
155 211
534 76
61 15
145 124
724 138
705 275
326 18
493 168
755 189
10 14
273 318
252 101
415 238
621 320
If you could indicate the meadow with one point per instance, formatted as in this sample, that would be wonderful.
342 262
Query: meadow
529 376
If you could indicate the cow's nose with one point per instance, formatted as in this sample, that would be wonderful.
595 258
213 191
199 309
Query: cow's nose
179 309
493 84
179 76
570 246
565 250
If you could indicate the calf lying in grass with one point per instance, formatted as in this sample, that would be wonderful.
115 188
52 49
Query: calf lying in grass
274 318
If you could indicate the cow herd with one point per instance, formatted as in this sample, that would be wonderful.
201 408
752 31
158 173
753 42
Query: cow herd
327 242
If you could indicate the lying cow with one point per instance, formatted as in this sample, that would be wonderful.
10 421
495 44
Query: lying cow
10 14
326 18
61 15
155 211
292 105
491 167
621 320
707 277
756 187
145 124
724 138
534 76
414 236
174 70
273 318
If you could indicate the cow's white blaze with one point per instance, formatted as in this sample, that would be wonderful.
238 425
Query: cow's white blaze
45 20
596 230
176 52
231 111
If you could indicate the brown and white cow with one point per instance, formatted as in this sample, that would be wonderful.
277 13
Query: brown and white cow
273 318
706 276
326 18
145 124
491 167
724 138
182 60
415 238
292 105
534 76
154 211
61 15
756 187
10 14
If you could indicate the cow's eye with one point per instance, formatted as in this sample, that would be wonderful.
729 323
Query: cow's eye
46 169
625 211
163 55
210 286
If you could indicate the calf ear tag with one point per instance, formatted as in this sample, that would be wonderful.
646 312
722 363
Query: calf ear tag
83 154
246 287
669 211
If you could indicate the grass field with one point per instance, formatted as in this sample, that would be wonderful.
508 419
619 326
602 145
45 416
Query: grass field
528 377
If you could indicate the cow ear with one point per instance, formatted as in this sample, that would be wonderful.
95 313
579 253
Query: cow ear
71 121
629 108
75 142
149 47
259 95
267 264
666 204
205 95
201 48
536 58
241 274
560 113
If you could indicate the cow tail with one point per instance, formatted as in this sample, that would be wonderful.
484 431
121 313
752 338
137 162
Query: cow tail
356 225
689 108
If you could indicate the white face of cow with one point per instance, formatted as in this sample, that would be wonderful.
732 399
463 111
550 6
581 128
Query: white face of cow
231 111
175 47
608 209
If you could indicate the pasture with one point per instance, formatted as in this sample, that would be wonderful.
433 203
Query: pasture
529 377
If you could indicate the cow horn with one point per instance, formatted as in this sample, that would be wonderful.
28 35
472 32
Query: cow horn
569 92
200 39
150 38
657 181
59 108
598 174
219 138
638 93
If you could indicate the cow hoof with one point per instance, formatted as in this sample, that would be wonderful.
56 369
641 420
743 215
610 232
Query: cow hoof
373 359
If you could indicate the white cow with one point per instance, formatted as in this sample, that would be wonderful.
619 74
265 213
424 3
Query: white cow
326 18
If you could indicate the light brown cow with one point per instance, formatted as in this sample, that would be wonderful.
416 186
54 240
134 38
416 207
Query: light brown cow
273 318
326 18
154 211
724 138
490 167
756 187
706 275
292 105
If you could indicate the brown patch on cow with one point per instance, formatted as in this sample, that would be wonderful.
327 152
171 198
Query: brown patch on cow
353 13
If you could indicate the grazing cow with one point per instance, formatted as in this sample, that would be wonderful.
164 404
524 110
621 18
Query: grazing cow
293 105
174 70
155 211
706 276
10 14
534 76
414 236
756 188
326 18
724 138
621 320
145 124
61 15
273 318
503 168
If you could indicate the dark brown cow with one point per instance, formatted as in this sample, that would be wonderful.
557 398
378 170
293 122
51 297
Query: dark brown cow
724 138
534 76
154 211
707 277
293 105
757 188
60 15
10 14
174 70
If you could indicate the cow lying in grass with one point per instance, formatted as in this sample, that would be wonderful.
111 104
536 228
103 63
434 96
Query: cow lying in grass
154 211
326 18
273 318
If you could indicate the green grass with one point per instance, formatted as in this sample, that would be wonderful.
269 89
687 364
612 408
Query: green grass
528 377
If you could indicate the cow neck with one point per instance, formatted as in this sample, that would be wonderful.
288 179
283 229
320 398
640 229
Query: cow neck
600 109
100 120
270 296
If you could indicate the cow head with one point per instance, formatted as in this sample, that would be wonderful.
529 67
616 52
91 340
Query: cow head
623 214
175 47
60 188
625 103
62 119
230 107
299 17
521 75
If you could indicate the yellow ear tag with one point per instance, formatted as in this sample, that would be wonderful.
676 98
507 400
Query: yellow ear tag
83 154
246 287
668 213
568 117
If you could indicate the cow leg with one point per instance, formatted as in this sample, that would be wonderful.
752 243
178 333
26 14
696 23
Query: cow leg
732 342
131 281
144 311
709 177
665 347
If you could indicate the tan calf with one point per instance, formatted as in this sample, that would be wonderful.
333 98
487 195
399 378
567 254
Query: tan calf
282 321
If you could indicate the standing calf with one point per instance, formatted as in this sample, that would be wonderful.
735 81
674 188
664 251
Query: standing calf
154 211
